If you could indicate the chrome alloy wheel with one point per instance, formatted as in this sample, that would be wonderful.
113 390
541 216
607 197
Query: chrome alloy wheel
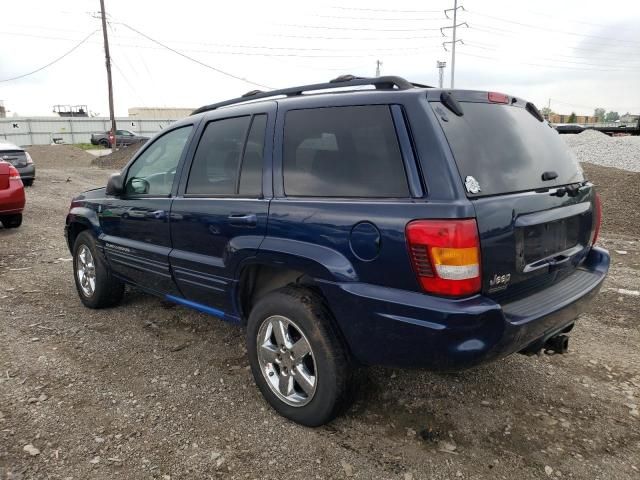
286 361
86 271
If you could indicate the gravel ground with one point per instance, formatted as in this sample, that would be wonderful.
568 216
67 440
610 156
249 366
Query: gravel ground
59 156
118 159
600 149
142 391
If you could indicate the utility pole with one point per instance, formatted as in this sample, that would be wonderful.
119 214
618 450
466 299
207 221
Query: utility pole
112 117
453 43
378 65
440 65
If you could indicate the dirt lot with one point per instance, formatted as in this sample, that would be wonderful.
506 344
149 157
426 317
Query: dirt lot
147 392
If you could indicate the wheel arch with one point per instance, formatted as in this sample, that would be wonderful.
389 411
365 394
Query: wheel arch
78 220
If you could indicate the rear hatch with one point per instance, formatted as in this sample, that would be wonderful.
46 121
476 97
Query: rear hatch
535 212
17 158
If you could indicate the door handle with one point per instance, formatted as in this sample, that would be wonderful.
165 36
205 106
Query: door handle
249 220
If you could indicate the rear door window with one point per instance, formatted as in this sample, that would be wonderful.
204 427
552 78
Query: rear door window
215 165
229 157
506 149
251 170
343 152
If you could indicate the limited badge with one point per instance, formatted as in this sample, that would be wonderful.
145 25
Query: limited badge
472 184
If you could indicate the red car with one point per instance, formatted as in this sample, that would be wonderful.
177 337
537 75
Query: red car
11 196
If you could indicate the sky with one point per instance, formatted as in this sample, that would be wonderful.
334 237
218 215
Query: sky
574 55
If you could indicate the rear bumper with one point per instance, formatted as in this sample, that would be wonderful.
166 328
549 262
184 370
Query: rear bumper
384 326
12 200
28 172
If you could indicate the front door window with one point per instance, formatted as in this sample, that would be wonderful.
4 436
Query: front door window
154 170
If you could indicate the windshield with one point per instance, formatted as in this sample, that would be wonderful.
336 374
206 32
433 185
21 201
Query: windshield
506 149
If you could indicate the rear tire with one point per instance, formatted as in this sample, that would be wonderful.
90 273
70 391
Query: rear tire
11 221
27 183
96 285
309 388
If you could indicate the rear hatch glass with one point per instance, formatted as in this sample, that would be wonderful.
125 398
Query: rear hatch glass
506 149
17 158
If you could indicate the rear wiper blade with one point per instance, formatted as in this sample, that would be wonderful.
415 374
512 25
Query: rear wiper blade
533 110
571 190
451 103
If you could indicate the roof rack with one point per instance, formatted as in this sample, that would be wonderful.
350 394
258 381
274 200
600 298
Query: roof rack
381 83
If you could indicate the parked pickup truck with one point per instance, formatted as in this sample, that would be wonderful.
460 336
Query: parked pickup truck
123 137
399 225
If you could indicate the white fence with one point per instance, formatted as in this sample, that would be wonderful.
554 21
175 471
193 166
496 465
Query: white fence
25 131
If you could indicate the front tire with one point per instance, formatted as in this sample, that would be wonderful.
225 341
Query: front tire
297 358
96 286
11 221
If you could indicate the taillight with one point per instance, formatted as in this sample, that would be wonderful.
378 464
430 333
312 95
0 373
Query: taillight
495 97
13 173
445 255
29 159
597 219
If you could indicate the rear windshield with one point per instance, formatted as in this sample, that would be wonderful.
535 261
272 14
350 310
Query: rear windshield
505 149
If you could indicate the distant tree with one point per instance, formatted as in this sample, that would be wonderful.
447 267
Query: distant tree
546 111
611 117
572 118
599 114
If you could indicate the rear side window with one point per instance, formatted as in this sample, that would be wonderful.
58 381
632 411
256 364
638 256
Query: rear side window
506 149
343 152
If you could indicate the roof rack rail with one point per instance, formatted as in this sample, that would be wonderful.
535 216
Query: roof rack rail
381 83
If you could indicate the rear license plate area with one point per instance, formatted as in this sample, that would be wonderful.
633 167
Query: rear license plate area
546 239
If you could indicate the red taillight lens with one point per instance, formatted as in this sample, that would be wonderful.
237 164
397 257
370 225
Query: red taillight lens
597 220
495 97
446 256
13 173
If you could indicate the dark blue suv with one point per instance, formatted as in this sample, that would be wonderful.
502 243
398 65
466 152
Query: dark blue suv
345 226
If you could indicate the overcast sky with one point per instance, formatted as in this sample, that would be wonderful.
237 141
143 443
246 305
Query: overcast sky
580 54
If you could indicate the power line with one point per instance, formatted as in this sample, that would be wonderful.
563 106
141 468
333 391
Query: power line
579 57
386 10
215 69
368 53
328 27
502 60
261 47
52 62
313 37
597 65
382 19
569 20
545 29
514 34
124 77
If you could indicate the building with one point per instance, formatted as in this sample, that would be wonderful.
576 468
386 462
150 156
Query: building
151 113
562 118
628 118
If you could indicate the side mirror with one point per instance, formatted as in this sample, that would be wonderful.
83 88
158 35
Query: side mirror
115 185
